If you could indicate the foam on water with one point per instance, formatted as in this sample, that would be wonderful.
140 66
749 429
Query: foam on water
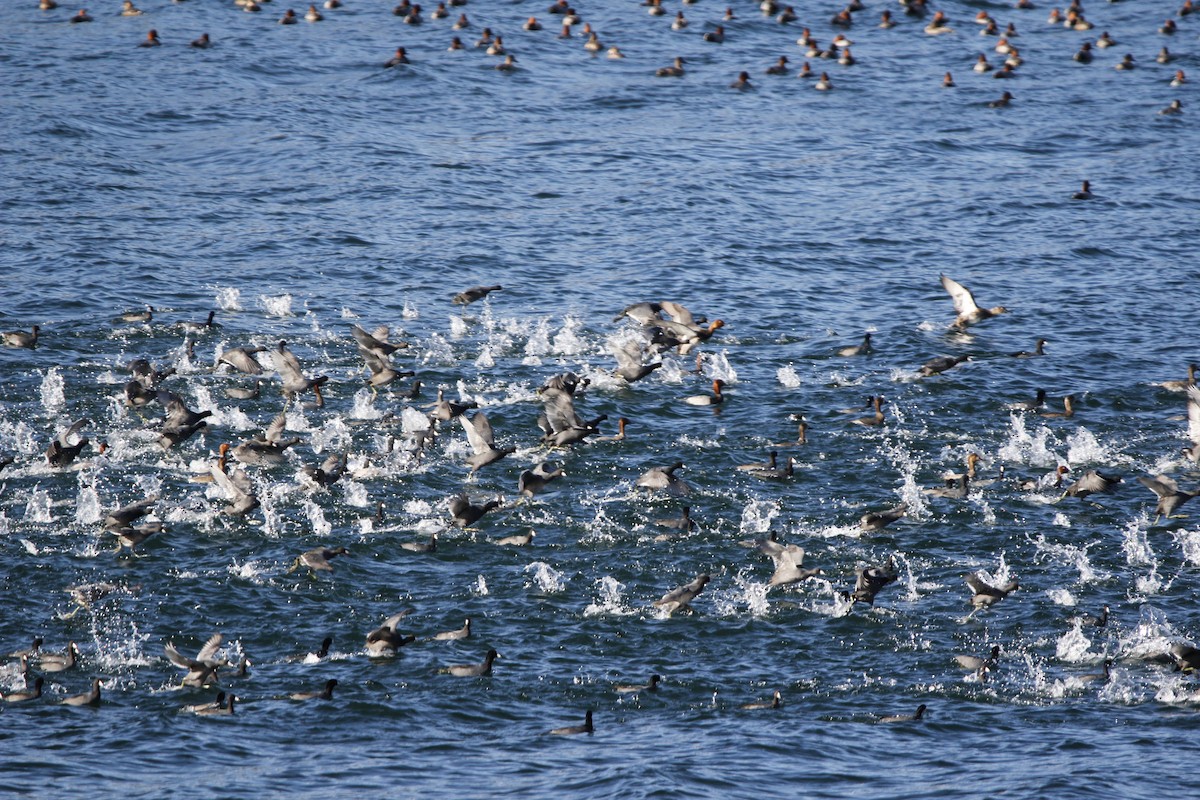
1073 647
280 306
53 392
480 588
228 298
787 377
546 578
610 599
37 507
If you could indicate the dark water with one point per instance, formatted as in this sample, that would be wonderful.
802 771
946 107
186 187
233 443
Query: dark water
288 181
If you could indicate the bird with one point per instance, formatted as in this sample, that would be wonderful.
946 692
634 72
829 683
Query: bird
788 569
572 730
774 473
975 663
458 633
1186 657
132 535
876 418
984 595
1092 482
1038 350
678 599
969 313
535 480
1067 412
1097 677
318 559
321 653
32 651
25 695
482 441
138 316
242 359
1029 405
422 547
878 520
1003 102
218 710
936 366
474 670
127 515
89 698
236 486
631 688
465 513
21 338
324 694
683 332
293 378
862 349
630 366
1097 621
1170 497
664 478
714 399
1180 385
203 41
468 296
673 71
870 581
918 715
329 472
181 423
205 708
1176 107
58 662
201 670
207 326
1193 415
716 36
1085 193
516 540
776 701
61 453
801 434
268 449
386 639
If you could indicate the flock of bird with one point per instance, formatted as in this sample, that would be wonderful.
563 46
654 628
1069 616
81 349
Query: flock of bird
1003 40
656 329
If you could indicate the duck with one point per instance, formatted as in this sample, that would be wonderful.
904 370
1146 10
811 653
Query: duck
1084 54
775 702
461 24
532 24
88 698
1179 80
236 485
969 312
1097 677
779 67
422 547
516 540
680 22
742 83
673 71
886 21
981 64
917 716
684 522
23 339
474 294
936 366
1003 102
482 441
400 57
657 478
1029 405
496 48
861 349
1097 621
716 36
32 651
984 595
268 449
572 730
456 44
805 71
81 16
61 453
474 670
956 489
938 25
201 670
975 663
1164 56
1168 28
312 15
1176 107
1126 63
293 378
59 662
870 581
386 639
679 598
25 695
1170 496
614 53
823 84
242 359
1038 350
217 710
465 514
325 693
202 42
288 18
788 566
456 634
1104 40
535 480
714 399
877 418
878 520
1067 412
632 688
593 43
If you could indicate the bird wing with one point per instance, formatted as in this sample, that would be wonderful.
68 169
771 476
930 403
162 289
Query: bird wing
458 505
274 431
205 656
964 301
179 659
678 313
177 411
479 432
979 586
560 410
1161 485
629 355
365 339
678 329
391 622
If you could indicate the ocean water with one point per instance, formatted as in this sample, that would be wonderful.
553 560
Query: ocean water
286 180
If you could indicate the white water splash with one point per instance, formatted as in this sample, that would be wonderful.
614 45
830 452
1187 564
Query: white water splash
538 343
611 599
1023 447
409 311
1070 555
480 587
1074 647
1061 597
53 396
355 494
229 298
253 571
485 360
87 506
787 377
758 516
316 518
418 508
1084 448
1136 545
546 578
37 507
718 367
458 327
569 341
280 306
364 406
1189 545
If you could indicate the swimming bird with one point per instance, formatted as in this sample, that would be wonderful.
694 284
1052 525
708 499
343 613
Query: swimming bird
658 478
58 662
25 695
952 490
1126 63
984 595
30 652
386 639
1003 102
516 540
801 434
870 580
200 327
202 42
218 710
1092 482
61 452
969 313
89 698
201 670
876 418
534 481
779 67
862 349
21 338
823 84
268 449
1170 496
1085 193
454 635
1180 385
465 513
776 701
445 410
318 559
293 378
714 399
948 81
1193 415
1038 350
878 520
468 296
1097 677
774 473
936 366
673 71
1176 107
474 670
975 663
1068 409
1097 621
482 441
679 599
715 36
1186 657
319 655
242 359
1029 405
146 316
920 713
768 464
324 694
422 547
572 730
631 688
